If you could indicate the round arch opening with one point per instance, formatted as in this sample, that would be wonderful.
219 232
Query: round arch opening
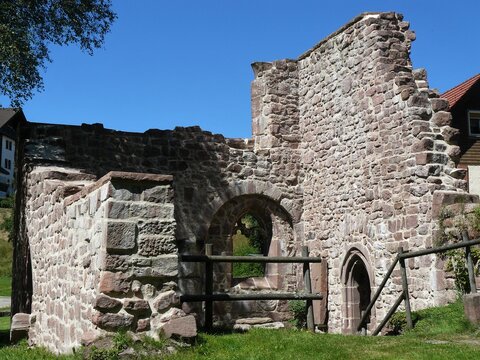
271 223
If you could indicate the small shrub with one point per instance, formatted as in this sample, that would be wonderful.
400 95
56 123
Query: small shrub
299 310
7 202
398 322
476 218
456 264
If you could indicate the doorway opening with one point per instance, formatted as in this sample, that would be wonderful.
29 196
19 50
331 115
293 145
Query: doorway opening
357 290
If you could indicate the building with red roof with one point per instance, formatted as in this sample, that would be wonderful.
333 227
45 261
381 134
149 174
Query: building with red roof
464 100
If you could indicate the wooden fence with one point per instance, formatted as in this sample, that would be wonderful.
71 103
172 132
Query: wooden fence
209 296
400 258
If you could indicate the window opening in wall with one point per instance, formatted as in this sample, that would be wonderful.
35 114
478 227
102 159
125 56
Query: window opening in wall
249 239
474 123
8 144
8 164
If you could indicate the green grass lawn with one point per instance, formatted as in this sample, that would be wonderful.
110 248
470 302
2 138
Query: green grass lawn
270 344
440 333
5 286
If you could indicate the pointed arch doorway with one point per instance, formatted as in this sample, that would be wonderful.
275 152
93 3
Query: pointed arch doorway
357 289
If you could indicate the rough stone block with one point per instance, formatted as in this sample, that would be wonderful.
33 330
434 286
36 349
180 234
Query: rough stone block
136 306
471 303
107 304
439 104
114 283
121 236
19 327
113 322
254 320
442 118
151 245
428 157
449 134
172 313
444 198
89 337
118 209
165 300
156 227
114 262
158 194
184 327
143 325
151 211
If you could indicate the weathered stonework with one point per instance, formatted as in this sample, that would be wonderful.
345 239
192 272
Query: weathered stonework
352 154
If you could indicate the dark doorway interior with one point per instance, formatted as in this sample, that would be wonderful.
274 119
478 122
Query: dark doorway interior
357 292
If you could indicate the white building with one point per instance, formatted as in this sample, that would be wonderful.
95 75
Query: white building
8 120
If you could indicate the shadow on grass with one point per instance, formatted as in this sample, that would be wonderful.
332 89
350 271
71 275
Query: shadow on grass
4 338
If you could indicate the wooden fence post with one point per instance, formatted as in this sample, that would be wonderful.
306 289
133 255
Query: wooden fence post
308 289
208 288
403 272
469 261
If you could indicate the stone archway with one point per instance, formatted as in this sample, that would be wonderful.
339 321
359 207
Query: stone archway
356 279
277 225
280 242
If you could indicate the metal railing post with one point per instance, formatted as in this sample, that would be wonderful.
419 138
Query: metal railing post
308 289
406 295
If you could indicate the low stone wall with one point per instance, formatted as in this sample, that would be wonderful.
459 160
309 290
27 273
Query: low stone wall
103 259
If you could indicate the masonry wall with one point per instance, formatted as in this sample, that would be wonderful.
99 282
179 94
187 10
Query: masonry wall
65 266
208 171
376 149
103 259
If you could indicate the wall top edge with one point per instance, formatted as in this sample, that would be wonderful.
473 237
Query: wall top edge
362 16
121 176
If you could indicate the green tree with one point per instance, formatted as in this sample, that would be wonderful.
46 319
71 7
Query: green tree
28 27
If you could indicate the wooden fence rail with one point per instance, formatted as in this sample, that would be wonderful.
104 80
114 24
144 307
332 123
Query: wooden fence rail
209 297
400 258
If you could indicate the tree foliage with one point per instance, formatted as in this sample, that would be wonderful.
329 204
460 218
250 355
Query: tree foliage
249 238
28 27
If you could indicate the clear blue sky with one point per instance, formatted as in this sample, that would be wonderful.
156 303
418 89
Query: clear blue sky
168 63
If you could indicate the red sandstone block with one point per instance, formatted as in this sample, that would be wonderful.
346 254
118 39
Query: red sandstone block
471 303
114 283
106 303
136 306
184 327
113 321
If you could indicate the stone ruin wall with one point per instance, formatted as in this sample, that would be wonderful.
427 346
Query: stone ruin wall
348 143
104 258
209 172
376 155
376 148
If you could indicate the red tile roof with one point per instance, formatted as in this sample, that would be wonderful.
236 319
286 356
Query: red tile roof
455 94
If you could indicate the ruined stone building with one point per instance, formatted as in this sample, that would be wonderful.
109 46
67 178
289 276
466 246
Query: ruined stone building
351 154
